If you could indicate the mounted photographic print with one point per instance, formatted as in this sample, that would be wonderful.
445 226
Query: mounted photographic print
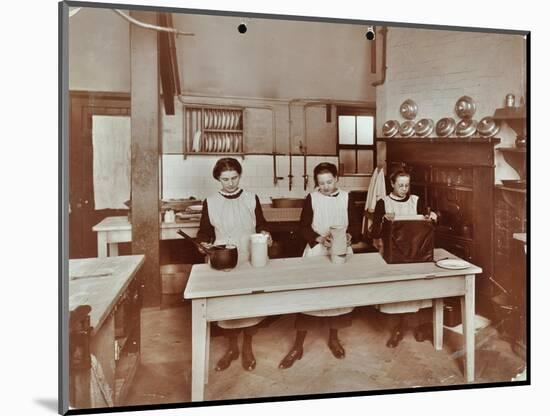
267 207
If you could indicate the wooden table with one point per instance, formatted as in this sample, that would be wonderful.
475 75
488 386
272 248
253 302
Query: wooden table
306 284
104 307
114 230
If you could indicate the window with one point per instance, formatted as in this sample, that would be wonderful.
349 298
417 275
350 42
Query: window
356 144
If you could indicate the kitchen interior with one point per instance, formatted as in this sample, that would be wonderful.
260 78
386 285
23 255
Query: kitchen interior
282 96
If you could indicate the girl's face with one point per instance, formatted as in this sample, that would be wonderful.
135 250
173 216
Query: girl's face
327 183
229 180
401 186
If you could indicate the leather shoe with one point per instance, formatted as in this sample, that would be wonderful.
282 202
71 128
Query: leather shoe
248 359
395 338
423 332
225 361
293 355
337 350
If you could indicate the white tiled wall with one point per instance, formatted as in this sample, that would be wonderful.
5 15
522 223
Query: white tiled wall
182 178
435 68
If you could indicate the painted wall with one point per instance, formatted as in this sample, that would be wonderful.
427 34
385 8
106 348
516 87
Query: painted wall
274 59
435 68
99 51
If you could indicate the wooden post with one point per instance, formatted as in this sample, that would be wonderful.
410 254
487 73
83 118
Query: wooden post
145 153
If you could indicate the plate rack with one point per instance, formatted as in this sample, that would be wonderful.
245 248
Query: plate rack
213 130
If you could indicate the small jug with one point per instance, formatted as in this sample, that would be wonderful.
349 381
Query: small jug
258 250
339 246
169 216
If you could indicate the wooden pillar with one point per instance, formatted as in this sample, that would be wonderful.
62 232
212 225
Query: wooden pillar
145 153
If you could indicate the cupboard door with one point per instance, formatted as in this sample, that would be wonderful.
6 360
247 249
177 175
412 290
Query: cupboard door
258 130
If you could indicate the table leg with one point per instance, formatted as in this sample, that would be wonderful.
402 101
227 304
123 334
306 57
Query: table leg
207 353
113 249
198 354
468 326
438 323
101 244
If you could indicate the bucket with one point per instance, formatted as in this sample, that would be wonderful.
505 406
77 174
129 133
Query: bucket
174 278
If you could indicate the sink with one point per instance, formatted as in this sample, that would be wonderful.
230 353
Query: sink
287 202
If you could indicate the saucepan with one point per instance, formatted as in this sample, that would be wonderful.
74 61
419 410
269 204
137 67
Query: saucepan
222 257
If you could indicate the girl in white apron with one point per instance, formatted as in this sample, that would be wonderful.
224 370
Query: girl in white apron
229 217
323 208
400 202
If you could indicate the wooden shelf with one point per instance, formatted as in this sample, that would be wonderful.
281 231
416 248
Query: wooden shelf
512 149
440 140
510 189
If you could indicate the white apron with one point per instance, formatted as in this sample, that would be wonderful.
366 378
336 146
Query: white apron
234 220
403 208
327 211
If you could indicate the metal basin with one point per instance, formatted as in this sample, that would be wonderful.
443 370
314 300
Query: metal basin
287 202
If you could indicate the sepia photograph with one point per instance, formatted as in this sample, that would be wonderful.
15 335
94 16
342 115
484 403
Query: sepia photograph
264 207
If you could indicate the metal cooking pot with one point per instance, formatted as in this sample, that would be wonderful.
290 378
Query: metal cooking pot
222 257
424 127
466 128
488 127
409 109
465 107
445 127
407 128
390 128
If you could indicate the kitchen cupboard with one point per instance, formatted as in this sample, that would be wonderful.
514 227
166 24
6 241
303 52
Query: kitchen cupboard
455 177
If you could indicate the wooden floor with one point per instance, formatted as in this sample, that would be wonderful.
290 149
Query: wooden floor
165 372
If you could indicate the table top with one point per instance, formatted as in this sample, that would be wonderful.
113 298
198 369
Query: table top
312 272
98 282
121 223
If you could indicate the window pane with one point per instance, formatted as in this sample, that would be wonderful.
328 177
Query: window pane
346 129
365 129
365 161
347 161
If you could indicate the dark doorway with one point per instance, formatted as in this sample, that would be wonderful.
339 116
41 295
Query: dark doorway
83 215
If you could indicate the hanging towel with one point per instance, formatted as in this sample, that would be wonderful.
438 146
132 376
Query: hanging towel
111 161
376 191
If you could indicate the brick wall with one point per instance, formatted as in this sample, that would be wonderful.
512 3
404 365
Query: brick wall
435 68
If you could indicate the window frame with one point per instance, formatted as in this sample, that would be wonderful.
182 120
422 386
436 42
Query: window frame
356 111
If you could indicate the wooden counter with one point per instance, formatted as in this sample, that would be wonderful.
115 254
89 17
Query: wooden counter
104 307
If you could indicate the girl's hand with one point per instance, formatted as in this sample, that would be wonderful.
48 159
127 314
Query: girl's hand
432 216
377 243
206 245
325 241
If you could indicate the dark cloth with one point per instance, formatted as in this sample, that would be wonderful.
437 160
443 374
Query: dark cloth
306 219
207 233
305 322
380 211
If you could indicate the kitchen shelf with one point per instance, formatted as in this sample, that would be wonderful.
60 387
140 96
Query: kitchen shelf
516 158
510 189
440 140
208 129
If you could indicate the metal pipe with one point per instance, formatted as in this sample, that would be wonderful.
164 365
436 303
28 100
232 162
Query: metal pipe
150 26
384 33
